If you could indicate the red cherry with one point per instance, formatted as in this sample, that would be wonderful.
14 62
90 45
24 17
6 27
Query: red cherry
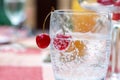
116 16
106 2
61 42
117 3
43 40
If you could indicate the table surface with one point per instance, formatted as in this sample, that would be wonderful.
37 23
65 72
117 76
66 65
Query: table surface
21 59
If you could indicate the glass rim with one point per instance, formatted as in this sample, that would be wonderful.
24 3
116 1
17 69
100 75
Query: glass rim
69 11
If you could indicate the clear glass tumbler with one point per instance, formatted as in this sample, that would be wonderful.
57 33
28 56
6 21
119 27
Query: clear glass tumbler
80 44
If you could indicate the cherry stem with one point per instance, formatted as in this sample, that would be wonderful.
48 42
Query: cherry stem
52 9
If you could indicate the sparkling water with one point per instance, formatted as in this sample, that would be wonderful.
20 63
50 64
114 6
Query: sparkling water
88 61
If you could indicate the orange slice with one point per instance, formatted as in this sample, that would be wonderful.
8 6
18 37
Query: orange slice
77 45
80 46
76 48
84 22
71 47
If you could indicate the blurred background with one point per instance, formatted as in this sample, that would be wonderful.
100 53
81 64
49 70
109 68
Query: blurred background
31 13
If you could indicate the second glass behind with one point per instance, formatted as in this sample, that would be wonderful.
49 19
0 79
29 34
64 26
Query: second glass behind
81 45
14 10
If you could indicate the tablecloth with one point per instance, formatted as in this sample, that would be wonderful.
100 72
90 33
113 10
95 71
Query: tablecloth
21 59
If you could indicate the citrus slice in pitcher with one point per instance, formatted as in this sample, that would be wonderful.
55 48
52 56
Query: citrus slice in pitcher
77 46
81 47
84 22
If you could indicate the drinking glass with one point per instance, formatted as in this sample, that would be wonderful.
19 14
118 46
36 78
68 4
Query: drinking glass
14 10
80 44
